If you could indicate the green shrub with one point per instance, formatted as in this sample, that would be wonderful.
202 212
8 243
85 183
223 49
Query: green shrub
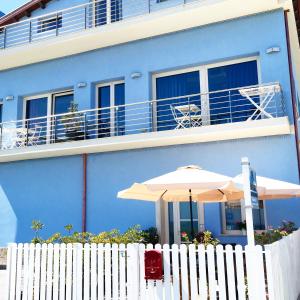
273 235
132 235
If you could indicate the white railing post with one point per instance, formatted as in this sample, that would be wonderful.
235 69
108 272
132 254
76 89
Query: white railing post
108 11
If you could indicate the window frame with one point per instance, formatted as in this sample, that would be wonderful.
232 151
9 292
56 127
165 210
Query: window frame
50 105
41 26
225 231
111 85
204 84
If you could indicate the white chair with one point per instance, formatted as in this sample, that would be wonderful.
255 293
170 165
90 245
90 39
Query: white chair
189 116
34 136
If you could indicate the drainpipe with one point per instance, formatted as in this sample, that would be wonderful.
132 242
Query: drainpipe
293 89
84 192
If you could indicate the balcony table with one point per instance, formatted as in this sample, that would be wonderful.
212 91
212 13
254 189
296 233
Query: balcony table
266 95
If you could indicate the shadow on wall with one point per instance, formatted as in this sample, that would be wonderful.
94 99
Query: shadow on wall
8 220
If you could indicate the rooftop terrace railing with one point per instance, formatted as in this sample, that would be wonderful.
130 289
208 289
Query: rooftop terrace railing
79 18
246 104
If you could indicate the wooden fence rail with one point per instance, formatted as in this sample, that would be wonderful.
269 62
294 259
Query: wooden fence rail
98 271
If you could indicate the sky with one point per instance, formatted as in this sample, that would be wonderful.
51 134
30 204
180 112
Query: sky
7 6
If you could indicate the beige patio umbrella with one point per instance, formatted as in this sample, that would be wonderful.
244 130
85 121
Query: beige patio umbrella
190 183
270 189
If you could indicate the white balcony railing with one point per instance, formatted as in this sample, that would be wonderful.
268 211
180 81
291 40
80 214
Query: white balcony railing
246 104
79 18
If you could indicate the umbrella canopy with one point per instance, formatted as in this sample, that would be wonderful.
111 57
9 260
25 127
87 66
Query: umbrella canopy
269 189
185 182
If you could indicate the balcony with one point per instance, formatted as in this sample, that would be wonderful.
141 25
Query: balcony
106 23
219 115
79 18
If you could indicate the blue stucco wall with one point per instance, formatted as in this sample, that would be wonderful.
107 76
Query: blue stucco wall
51 189
209 44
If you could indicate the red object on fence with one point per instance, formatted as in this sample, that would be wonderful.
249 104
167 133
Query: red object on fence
153 265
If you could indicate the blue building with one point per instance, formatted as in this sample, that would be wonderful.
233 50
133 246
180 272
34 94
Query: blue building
97 95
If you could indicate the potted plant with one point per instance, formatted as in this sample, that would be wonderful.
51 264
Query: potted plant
242 226
73 123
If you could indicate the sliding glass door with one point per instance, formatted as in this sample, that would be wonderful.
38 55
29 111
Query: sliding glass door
229 106
179 220
173 101
37 122
111 113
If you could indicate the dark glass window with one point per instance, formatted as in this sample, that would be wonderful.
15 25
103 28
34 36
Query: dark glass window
50 23
101 11
1 108
105 101
230 106
174 87
36 109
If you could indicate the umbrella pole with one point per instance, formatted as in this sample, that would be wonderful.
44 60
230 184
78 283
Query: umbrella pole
191 215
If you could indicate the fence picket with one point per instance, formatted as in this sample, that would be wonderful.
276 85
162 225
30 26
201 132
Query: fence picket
122 249
100 272
193 272
93 271
158 283
175 272
212 287
37 271
240 273
142 271
79 266
86 272
69 272
49 272
202 273
230 272
269 271
25 271
43 272
13 269
19 271
150 291
62 271
31 271
56 271
184 272
115 271
221 271
107 271
167 271
260 272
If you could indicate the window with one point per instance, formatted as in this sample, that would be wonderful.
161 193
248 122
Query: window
50 23
37 110
172 88
111 121
229 106
201 85
1 111
101 12
233 214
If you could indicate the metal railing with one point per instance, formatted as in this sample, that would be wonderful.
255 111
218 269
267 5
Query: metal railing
176 113
79 18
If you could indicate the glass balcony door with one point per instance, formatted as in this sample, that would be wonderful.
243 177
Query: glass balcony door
104 14
63 126
179 220
111 113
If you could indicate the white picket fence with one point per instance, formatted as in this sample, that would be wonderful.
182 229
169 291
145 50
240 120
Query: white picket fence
73 271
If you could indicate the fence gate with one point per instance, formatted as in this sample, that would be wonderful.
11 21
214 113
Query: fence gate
98 271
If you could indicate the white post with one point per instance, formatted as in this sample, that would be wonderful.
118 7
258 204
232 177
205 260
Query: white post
248 201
